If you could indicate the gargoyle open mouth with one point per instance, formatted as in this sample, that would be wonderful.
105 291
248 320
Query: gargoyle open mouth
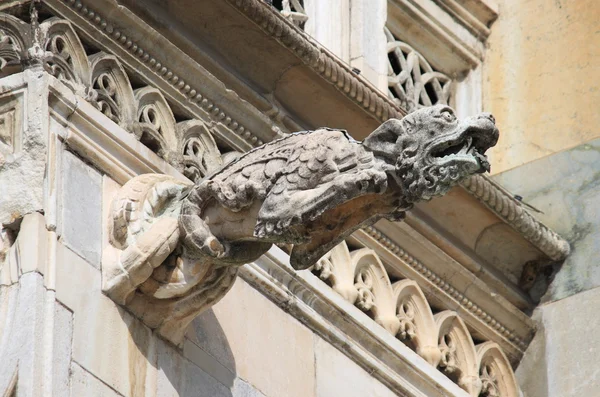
465 149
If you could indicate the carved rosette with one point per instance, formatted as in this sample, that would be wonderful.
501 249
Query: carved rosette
443 340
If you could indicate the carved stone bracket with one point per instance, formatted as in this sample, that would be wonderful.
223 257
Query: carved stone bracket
443 339
175 247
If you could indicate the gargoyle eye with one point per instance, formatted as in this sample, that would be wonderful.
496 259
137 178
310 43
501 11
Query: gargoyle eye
448 115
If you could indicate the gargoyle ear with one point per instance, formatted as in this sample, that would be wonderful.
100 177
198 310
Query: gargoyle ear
382 141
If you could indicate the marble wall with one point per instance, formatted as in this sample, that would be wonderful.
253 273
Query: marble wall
562 358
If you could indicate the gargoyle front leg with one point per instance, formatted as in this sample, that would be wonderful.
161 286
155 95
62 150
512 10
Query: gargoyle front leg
197 238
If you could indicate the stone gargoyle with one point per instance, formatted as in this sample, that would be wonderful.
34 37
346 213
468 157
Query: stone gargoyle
175 247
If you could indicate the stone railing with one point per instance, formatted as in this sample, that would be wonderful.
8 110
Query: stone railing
400 307
412 82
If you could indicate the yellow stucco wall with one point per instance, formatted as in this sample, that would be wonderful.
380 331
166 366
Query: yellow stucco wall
542 78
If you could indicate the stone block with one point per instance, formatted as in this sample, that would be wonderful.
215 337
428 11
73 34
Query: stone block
208 363
81 208
62 338
178 376
569 197
259 342
337 375
243 389
110 188
107 341
562 360
85 384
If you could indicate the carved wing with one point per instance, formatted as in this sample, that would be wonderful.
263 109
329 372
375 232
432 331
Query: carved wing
323 171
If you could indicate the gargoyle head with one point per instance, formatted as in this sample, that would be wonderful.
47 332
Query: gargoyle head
431 150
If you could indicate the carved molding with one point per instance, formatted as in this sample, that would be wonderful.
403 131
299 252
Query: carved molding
443 339
513 213
101 80
331 68
412 82
465 302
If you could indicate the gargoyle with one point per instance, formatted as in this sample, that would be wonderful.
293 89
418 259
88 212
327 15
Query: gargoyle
175 247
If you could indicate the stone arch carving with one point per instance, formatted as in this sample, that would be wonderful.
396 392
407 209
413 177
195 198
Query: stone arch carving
374 289
335 269
154 122
65 57
114 94
412 82
200 152
495 372
101 79
443 340
459 360
417 325
14 39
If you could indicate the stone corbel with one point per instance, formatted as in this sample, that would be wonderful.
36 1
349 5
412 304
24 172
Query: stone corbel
175 247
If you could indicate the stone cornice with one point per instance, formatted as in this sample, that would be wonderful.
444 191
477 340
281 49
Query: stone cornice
328 314
330 67
512 212
497 320
198 100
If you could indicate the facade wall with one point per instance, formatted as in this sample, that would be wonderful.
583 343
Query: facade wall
541 78
541 82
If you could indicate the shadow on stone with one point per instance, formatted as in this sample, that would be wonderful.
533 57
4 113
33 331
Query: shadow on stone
205 366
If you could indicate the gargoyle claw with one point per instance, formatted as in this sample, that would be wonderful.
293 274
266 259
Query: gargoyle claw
213 247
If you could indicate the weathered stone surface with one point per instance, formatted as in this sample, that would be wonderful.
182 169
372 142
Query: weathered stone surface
35 339
82 208
244 389
85 384
23 104
177 376
569 197
563 359
339 376
107 341
252 337
208 363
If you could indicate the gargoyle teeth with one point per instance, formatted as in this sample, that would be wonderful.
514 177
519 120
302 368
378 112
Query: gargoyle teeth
467 146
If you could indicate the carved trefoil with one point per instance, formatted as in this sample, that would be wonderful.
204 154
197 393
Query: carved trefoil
100 79
176 246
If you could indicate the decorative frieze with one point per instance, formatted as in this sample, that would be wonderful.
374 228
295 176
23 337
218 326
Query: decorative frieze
101 80
412 82
442 339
